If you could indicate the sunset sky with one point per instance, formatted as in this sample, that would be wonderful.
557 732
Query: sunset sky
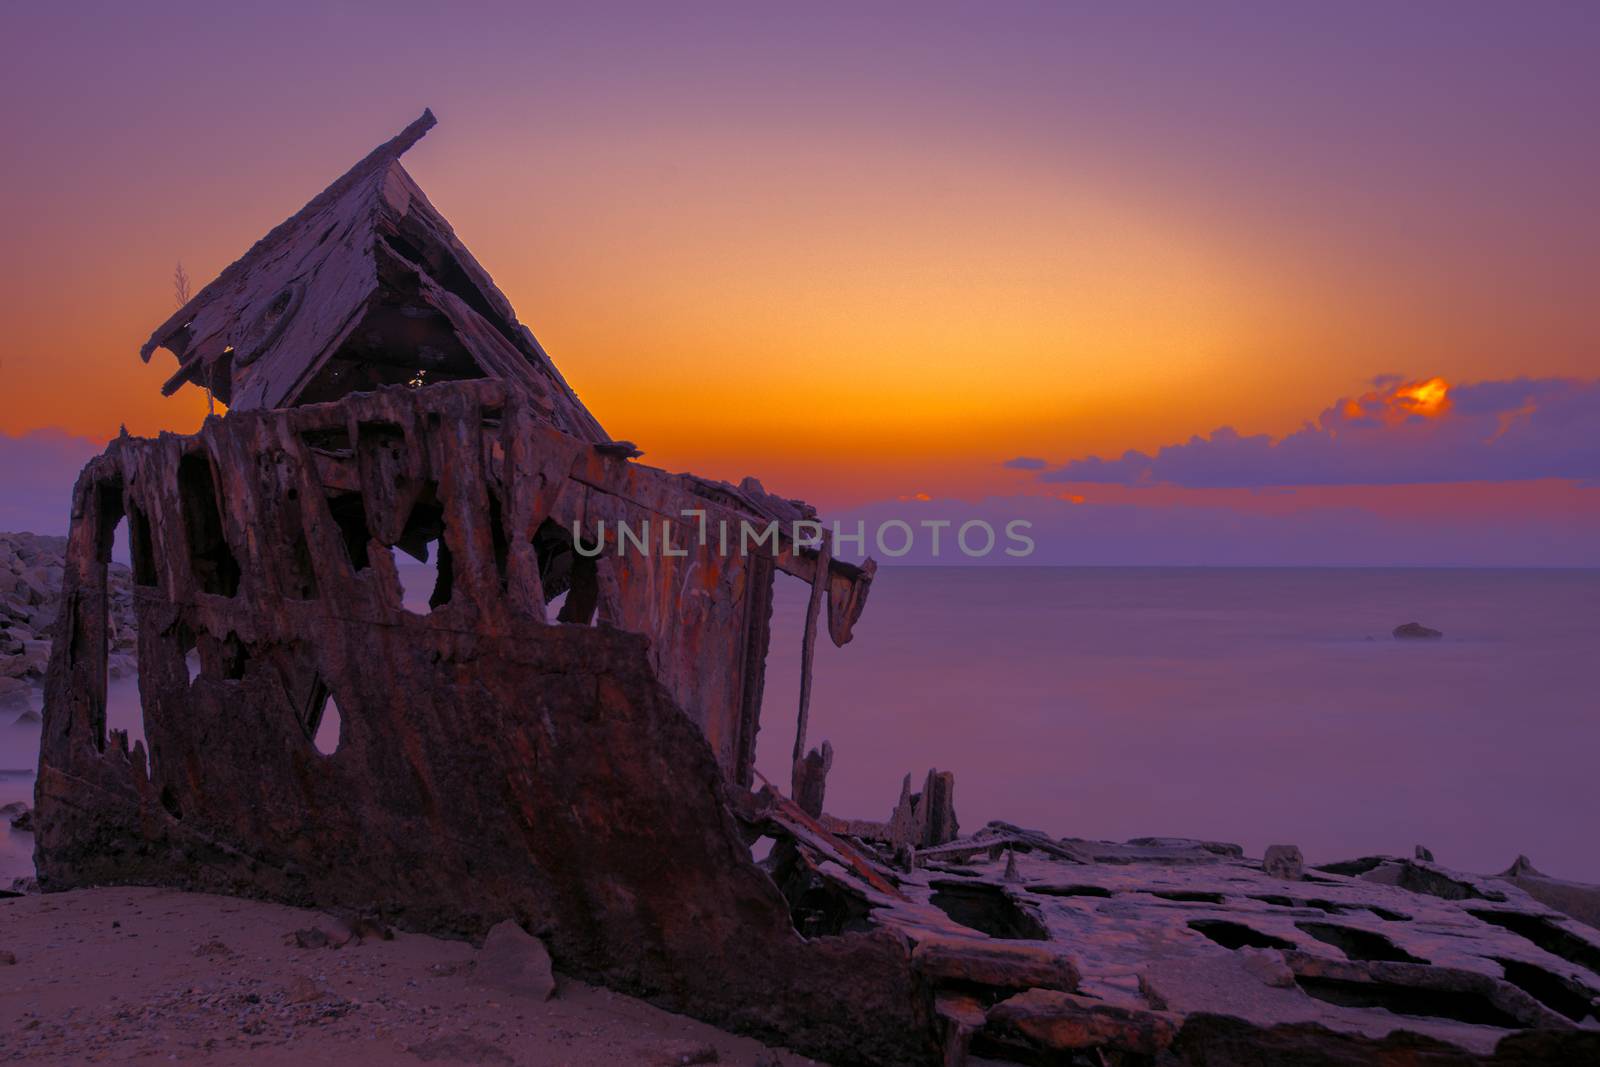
870 251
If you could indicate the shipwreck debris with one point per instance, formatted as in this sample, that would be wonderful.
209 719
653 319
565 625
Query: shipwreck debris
587 773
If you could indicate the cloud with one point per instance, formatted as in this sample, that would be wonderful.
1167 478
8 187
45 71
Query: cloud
1402 432
1026 463
37 472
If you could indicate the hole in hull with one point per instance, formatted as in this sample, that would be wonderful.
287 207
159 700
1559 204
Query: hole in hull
1359 944
1188 895
330 730
1236 935
570 579
215 568
423 539
349 512
988 909
1410 1000
321 719
818 906
1546 935
1558 993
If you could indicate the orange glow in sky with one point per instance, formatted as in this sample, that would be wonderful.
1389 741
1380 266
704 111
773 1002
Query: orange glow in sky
853 255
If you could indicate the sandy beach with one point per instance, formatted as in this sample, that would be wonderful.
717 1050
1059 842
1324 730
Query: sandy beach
135 975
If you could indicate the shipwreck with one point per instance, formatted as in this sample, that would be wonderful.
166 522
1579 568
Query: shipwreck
566 737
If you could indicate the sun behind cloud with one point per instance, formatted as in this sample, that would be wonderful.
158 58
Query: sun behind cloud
1428 398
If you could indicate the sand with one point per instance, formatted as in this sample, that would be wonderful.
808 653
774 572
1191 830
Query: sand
134 975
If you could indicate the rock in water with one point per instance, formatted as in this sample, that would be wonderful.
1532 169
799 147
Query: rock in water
1409 631
21 816
514 961
1284 861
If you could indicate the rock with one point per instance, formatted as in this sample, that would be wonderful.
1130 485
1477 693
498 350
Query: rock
23 820
372 928
1411 631
356 930
25 885
313 937
514 961
29 719
1284 861
1423 854
460 1048
209 949
301 990
31 571
31 586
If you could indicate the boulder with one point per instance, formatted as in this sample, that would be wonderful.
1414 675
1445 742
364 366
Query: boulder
310 937
1415 631
514 961
1284 861
301 990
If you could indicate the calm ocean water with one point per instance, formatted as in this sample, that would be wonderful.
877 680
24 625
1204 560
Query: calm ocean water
1242 705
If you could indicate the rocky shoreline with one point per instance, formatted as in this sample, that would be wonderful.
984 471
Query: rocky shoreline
31 566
